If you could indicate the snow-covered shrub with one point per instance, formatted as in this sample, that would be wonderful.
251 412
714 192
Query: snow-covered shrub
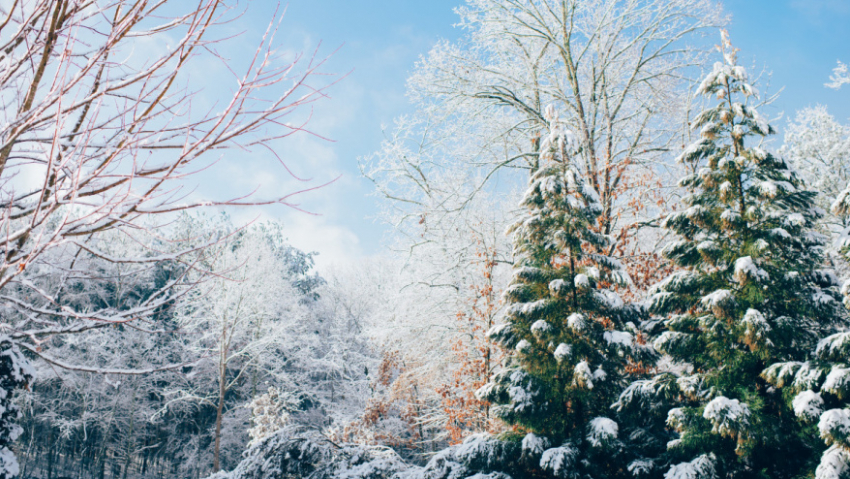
294 454
269 414
602 431
834 464
290 454
534 445
837 382
486 453
834 426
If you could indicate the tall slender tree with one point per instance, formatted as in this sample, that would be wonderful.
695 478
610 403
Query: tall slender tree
572 336
751 293
818 389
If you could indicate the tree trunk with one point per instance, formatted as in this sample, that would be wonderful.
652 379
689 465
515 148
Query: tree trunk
218 414
50 455
146 457
130 443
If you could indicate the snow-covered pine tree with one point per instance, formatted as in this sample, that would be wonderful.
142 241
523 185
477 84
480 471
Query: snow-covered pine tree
819 389
570 334
752 292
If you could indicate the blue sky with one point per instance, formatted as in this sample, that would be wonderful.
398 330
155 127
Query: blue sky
379 41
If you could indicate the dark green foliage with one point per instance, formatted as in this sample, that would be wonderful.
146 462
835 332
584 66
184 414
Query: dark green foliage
15 374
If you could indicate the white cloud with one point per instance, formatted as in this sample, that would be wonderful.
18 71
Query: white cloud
337 245
816 8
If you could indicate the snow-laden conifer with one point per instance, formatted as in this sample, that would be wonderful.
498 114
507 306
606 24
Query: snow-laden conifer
820 388
751 293
571 334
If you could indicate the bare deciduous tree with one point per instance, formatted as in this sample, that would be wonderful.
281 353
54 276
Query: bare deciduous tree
618 69
102 128
816 143
247 320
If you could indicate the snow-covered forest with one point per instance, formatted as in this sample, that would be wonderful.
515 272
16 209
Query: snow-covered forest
608 254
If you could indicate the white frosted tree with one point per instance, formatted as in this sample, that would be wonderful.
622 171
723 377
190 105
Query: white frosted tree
617 70
243 321
163 422
818 147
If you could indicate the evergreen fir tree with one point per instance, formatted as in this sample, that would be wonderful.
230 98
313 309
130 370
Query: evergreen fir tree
572 337
751 293
819 389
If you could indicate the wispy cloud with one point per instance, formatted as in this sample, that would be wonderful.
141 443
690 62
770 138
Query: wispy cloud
816 9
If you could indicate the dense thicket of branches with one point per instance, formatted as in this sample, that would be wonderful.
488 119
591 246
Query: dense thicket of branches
166 422
99 134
